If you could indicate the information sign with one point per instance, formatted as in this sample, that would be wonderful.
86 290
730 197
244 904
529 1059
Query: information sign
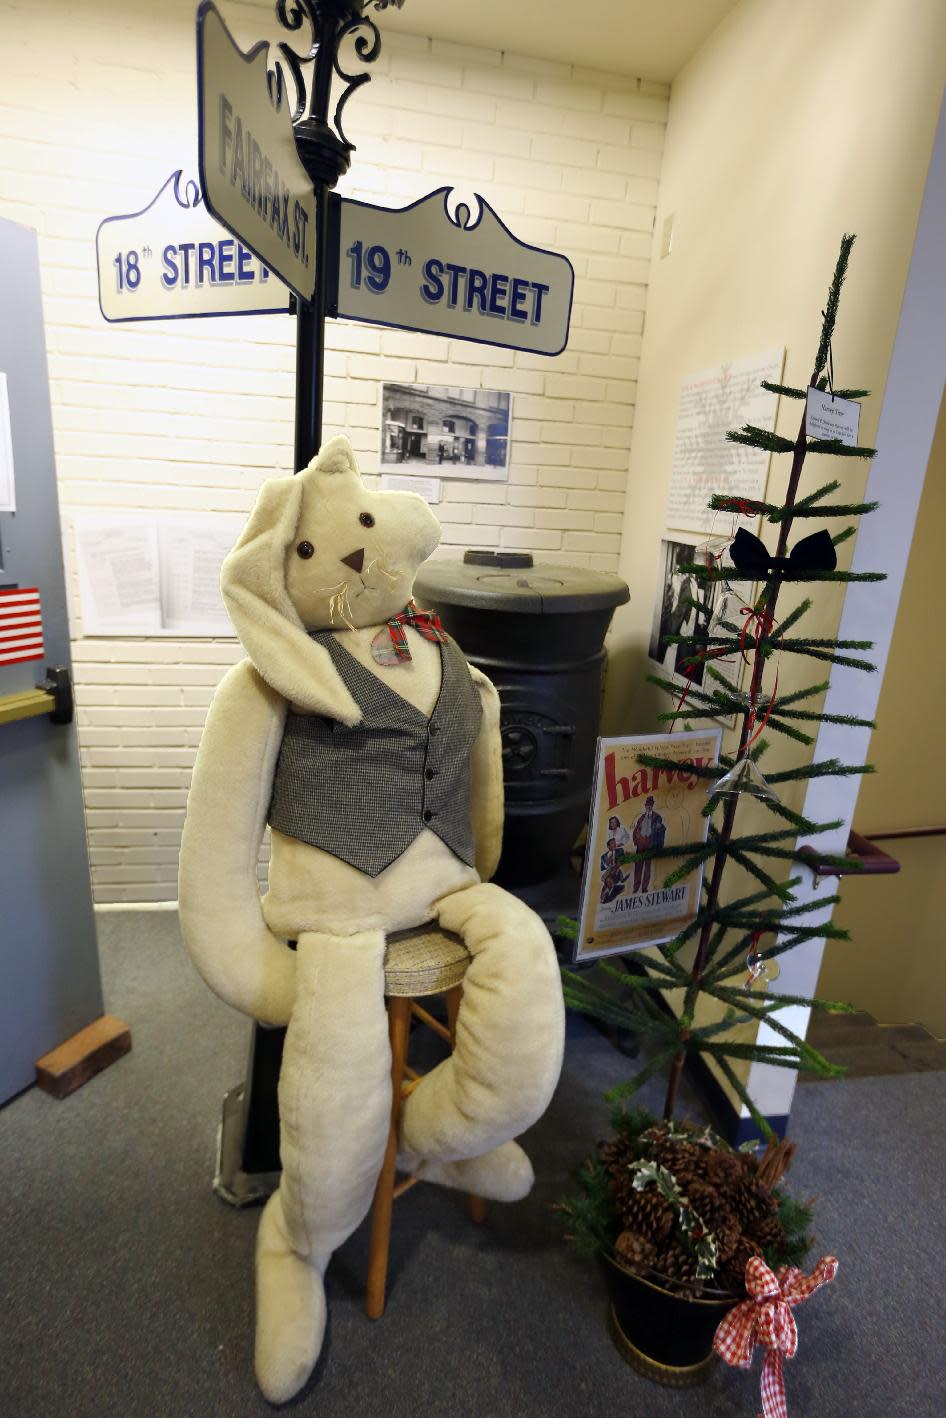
250 173
172 260
421 268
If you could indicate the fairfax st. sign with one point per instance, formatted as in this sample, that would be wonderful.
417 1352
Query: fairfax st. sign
421 268
250 173
172 260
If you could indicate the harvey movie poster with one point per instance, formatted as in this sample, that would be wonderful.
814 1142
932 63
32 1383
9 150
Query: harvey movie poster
624 904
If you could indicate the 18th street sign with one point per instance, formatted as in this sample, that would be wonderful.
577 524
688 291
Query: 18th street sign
250 173
172 260
420 268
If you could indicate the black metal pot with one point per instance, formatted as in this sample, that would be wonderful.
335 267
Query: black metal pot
665 1335
538 632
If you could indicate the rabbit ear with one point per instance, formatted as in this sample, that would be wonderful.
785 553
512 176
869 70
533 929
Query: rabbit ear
336 456
253 582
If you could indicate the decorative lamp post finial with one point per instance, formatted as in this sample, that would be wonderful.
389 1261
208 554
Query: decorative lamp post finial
322 144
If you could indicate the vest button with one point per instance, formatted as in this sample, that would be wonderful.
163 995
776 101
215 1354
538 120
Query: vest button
430 773
433 729
428 815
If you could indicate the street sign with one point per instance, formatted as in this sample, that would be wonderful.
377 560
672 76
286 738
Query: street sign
250 173
172 260
421 268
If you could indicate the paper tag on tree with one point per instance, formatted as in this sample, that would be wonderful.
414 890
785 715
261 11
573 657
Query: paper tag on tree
831 417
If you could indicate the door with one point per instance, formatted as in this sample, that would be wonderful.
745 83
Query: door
49 973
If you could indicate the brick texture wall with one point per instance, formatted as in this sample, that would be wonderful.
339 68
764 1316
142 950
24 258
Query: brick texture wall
97 109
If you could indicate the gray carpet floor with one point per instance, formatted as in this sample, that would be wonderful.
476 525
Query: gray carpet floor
126 1286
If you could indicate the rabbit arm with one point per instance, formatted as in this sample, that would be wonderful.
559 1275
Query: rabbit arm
487 799
221 920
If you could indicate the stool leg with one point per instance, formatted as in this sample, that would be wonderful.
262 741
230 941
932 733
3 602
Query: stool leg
399 1023
454 996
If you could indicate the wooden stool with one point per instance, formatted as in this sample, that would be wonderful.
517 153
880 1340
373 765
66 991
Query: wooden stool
418 963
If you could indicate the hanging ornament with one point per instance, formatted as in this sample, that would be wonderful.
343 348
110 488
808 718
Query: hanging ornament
814 553
760 971
725 611
712 553
745 777
712 549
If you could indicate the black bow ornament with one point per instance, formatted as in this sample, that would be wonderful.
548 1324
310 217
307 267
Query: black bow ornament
814 553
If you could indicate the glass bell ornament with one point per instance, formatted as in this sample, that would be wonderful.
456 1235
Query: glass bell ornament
746 778
711 552
726 610
760 970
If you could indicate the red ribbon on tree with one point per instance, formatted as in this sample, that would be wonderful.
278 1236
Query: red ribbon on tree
762 623
766 1319
742 506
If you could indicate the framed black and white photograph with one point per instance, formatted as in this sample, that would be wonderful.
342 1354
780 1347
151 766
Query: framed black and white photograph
676 614
458 433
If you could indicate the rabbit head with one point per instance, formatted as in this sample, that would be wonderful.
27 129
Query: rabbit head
321 552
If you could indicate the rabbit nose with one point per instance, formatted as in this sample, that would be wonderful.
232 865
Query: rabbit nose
355 560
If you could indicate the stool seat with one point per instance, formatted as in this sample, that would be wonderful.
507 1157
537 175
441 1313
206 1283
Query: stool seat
423 961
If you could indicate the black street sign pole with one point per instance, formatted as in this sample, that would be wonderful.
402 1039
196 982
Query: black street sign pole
248 1148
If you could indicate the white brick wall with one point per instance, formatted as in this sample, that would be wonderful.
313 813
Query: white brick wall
96 109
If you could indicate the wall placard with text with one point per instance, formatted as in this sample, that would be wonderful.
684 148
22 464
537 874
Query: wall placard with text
704 461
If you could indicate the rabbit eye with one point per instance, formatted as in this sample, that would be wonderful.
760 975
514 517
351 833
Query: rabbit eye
305 550
366 519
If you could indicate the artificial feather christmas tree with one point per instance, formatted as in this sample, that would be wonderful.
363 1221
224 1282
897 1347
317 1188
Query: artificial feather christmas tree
729 933
670 1203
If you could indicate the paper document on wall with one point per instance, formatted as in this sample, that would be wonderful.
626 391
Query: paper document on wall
704 461
191 555
153 573
118 575
7 483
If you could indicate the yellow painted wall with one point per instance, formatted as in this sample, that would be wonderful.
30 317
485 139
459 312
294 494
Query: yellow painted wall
895 965
792 125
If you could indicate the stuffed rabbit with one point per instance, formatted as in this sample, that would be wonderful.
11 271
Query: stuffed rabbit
370 746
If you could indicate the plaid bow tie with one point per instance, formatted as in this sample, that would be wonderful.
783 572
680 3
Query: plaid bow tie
390 647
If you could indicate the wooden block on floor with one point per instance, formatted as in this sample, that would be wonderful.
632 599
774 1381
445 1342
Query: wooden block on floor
66 1068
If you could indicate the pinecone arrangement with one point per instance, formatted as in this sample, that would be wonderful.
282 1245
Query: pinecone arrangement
730 1192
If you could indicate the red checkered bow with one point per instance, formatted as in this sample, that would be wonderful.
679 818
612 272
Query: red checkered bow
766 1318
427 623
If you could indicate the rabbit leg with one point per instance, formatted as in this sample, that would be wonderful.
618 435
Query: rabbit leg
456 1125
334 1107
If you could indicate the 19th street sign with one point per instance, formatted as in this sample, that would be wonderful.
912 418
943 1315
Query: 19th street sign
419 268
250 173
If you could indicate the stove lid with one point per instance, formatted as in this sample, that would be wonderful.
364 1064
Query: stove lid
509 581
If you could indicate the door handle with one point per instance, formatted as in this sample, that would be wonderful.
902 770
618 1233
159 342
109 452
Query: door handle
53 697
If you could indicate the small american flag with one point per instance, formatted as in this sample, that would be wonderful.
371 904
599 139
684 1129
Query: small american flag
21 626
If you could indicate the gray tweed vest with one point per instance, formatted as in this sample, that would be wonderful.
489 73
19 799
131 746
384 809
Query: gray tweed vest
364 794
